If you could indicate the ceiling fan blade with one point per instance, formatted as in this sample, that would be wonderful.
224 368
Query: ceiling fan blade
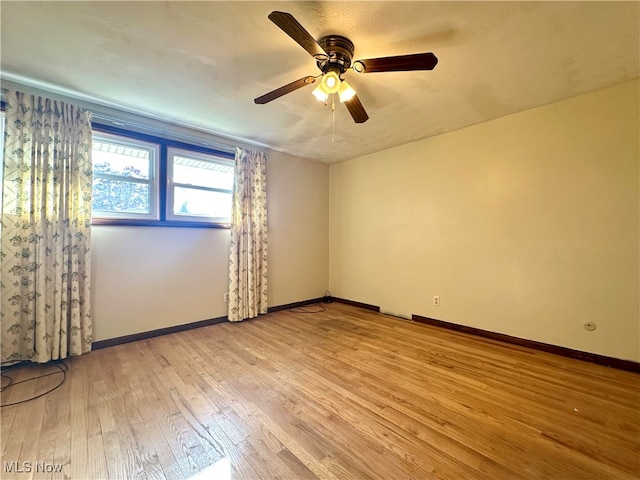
356 110
291 27
400 63
288 88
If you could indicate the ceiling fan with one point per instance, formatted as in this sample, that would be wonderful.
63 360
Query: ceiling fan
333 55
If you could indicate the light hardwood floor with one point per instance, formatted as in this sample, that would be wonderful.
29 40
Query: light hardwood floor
342 394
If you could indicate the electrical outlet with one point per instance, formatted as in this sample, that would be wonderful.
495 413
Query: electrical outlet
436 300
226 297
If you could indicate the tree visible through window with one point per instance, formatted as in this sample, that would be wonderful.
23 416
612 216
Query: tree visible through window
123 178
114 195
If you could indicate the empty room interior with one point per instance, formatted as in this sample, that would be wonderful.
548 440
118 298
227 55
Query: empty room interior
320 240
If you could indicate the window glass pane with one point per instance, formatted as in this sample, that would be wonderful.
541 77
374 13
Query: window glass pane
121 196
197 172
201 203
125 177
116 159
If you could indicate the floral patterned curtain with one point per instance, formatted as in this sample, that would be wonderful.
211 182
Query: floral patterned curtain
248 246
45 232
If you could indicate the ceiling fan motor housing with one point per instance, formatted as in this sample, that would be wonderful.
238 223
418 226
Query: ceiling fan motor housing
340 50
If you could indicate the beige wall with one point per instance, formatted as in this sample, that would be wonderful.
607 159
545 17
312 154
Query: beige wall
146 278
527 225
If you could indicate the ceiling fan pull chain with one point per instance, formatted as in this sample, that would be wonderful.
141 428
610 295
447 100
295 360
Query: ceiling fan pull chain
333 118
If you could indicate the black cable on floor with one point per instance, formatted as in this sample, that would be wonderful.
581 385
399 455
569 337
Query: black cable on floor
61 368
304 309
326 299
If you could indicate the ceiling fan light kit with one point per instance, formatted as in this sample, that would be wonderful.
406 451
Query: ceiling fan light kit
332 83
333 55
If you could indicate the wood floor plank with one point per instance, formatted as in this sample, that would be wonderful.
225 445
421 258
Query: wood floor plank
21 426
344 393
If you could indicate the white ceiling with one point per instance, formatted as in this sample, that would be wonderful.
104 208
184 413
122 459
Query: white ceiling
203 63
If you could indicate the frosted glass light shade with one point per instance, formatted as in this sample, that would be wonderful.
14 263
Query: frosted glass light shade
320 94
330 82
345 92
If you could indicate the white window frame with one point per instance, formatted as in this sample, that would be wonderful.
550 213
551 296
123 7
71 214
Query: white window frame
152 181
205 157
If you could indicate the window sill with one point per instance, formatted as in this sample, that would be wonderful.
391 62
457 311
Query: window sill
127 222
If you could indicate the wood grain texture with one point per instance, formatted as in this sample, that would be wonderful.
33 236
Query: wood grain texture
545 347
400 63
356 110
343 394
297 32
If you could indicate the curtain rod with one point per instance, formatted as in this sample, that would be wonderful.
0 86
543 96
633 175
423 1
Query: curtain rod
97 105
146 128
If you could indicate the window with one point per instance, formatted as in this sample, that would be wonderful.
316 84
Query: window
143 180
200 187
125 174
